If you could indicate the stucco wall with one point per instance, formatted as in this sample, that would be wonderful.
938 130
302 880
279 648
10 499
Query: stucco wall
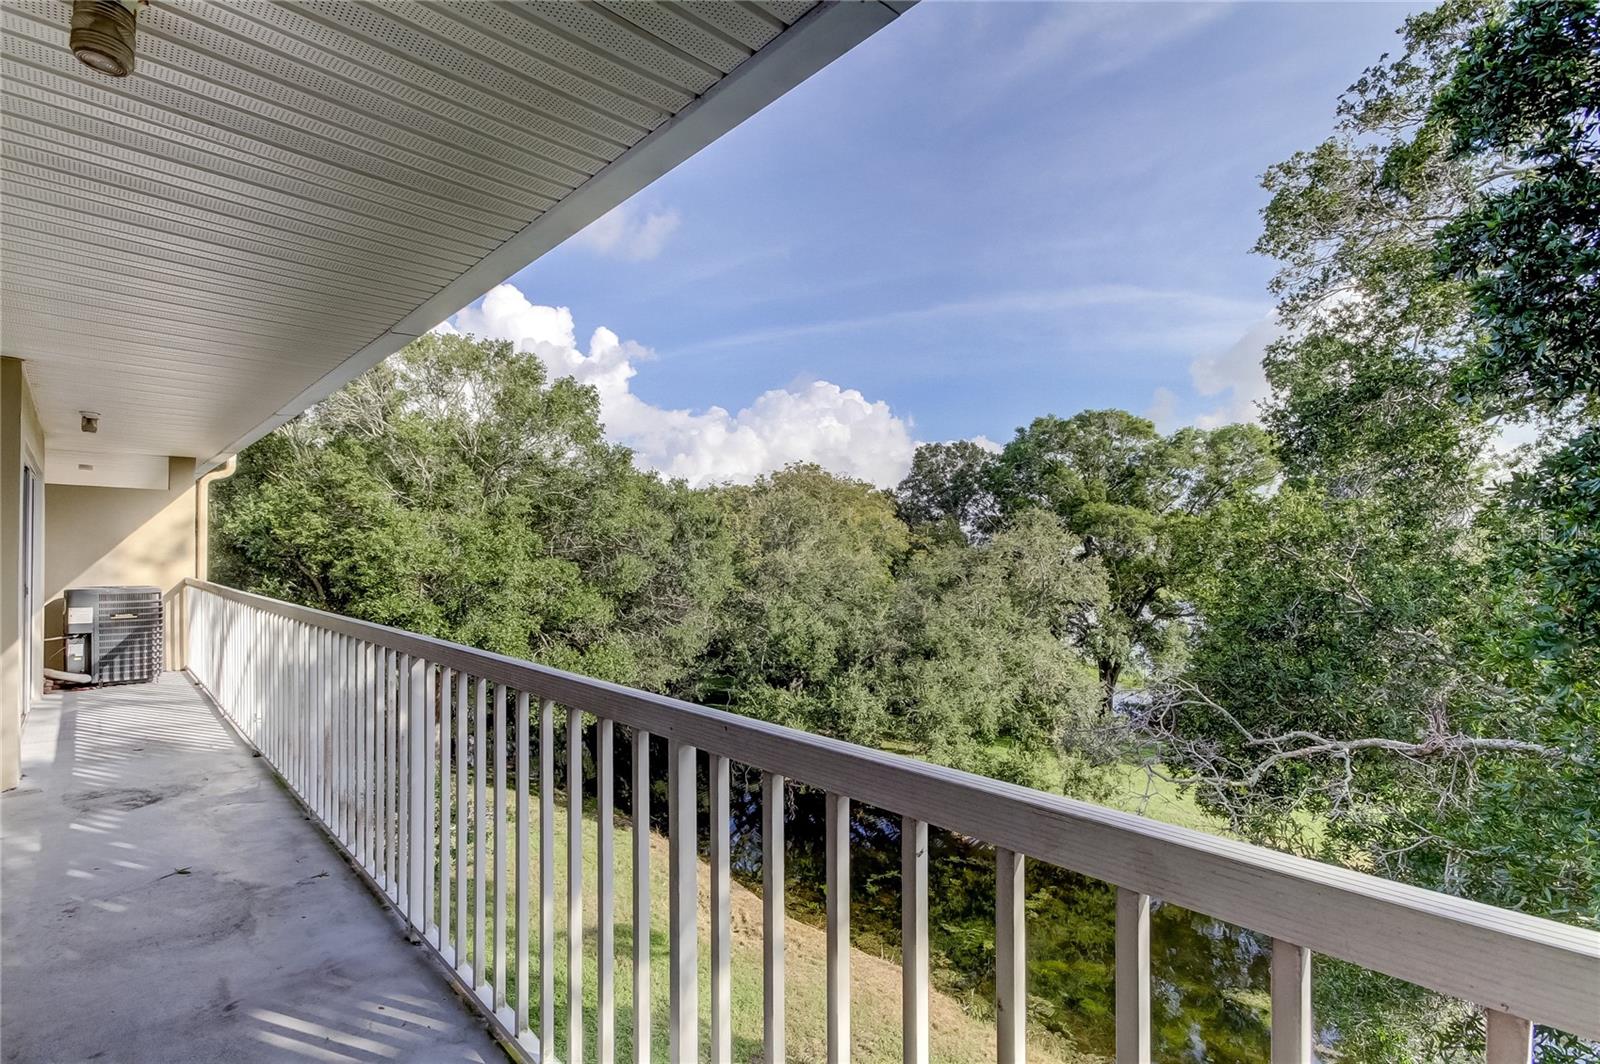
21 442
120 536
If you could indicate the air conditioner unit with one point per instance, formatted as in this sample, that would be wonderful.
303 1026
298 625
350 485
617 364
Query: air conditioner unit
113 634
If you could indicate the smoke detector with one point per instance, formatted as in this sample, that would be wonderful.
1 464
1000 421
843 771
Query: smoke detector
102 34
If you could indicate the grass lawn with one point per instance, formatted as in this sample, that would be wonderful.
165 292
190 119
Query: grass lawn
1136 791
956 1036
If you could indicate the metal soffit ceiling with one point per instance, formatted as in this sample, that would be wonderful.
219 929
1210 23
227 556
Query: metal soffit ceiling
281 194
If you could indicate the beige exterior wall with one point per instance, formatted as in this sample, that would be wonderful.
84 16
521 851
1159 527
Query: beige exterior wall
121 536
21 444
86 536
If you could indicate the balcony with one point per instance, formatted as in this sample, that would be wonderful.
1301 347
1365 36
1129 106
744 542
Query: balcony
149 852
318 838
166 900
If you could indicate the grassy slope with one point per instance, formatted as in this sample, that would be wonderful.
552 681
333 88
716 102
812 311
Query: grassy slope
1139 792
957 1037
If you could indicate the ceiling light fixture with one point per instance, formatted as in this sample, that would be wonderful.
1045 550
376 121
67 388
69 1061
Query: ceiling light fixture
102 34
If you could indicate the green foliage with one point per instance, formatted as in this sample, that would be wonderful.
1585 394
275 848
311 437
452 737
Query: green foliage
949 490
798 639
1134 499
454 491
1527 90
985 667
1395 642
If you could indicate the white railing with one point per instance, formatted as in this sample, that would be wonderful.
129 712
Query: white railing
357 719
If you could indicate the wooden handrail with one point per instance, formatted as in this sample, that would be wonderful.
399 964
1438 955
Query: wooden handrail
1508 962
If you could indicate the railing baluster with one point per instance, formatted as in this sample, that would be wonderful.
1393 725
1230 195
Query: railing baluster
261 659
252 676
358 748
358 735
683 908
265 665
772 918
402 794
308 720
302 723
351 721
446 939
837 830
369 705
464 772
312 789
1291 1003
524 856
347 757
330 731
313 726
605 889
721 917
335 773
1510 1038
246 720
322 759
341 753
574 885
547 877
291 693
369 768
330 716
641 896
380 766
432 924
389 662
502 859
283 726
418 720
1010 957
480 767
269 675
1133 977
914 940
325 727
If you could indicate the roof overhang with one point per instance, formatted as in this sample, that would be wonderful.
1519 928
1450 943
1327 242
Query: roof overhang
282 195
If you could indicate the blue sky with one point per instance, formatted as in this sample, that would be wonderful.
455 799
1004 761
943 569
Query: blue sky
987 212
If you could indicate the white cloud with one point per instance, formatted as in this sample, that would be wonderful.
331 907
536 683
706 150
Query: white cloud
818 421
630 231
1231 378
1235 376
1163 409
1168 315
1093 40
987 444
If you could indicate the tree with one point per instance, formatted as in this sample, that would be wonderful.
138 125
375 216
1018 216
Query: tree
950 489
1388 646
984 670
1136 499
455 491
800 637
1527 89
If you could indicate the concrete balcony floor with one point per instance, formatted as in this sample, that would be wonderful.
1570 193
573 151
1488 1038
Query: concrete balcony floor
162 898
